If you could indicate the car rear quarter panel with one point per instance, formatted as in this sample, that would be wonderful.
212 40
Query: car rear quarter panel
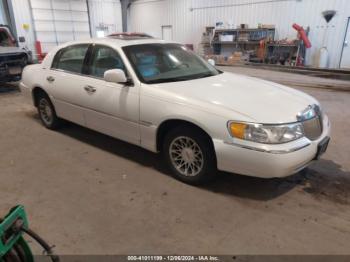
32 76
35 75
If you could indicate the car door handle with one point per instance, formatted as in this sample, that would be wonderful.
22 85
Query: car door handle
50 79
90 89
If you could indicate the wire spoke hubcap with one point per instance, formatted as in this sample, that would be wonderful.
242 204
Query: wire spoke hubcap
45 111
186 156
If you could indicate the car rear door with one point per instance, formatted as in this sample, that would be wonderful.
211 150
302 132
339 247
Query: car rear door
66 82
110 108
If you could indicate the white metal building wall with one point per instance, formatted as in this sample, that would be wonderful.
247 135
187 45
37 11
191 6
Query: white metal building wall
70 24
3 16
59 21
189 18
105 15
22 16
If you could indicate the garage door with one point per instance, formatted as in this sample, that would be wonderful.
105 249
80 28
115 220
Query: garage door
59 21
3 13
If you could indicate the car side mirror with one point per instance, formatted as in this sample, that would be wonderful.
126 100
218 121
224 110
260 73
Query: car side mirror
115 76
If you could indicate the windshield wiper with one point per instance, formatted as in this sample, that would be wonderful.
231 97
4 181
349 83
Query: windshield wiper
204 75
177 79
164 80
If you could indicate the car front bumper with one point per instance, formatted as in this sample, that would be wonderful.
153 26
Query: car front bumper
268 161
5 76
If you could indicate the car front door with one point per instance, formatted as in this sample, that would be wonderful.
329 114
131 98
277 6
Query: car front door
66 82
110 108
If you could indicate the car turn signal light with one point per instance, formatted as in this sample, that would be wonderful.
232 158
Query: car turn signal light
238 130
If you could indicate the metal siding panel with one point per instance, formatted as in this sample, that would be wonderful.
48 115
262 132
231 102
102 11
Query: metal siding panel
59 21
40 14
49 37
189 25
80 16
82 35
81 27
62 26
40 4
106 13
59 4
152 23
64 36
22 15
63 15
3 16
46 47
78 6
44 26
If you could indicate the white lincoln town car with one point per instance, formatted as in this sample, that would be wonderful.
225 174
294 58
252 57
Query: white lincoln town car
162 97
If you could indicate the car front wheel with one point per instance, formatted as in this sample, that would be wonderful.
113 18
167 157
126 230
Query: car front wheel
189 154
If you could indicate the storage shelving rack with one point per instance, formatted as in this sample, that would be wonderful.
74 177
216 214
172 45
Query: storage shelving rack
243 39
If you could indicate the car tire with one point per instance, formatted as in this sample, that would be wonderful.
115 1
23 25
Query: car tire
189 155
47 112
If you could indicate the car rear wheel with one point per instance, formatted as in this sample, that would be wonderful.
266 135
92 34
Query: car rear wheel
189 155
47 112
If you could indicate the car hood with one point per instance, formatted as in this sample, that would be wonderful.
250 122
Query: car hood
259 100
10 49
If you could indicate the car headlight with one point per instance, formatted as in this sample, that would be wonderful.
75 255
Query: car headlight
266 134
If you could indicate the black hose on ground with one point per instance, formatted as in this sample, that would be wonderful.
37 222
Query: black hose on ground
21 253
43 243
12 256
17 254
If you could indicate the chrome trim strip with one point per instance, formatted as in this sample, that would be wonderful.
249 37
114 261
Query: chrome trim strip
269 151
145 123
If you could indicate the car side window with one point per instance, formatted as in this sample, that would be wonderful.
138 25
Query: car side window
105 58
71 58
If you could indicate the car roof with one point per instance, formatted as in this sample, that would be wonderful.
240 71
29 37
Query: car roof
115 42
129 36
119 42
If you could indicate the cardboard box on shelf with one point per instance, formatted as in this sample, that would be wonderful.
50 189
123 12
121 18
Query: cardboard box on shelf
234 59
268 26
243 37
221 60
226 38
243 26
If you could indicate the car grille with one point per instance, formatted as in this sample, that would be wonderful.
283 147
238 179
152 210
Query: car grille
17 59
313 127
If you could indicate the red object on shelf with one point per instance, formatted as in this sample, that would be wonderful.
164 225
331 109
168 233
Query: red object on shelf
302 35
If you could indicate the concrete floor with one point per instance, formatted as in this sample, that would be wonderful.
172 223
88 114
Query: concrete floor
91 194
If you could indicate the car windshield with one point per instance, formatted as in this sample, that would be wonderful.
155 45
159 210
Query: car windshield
4 38
160 63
